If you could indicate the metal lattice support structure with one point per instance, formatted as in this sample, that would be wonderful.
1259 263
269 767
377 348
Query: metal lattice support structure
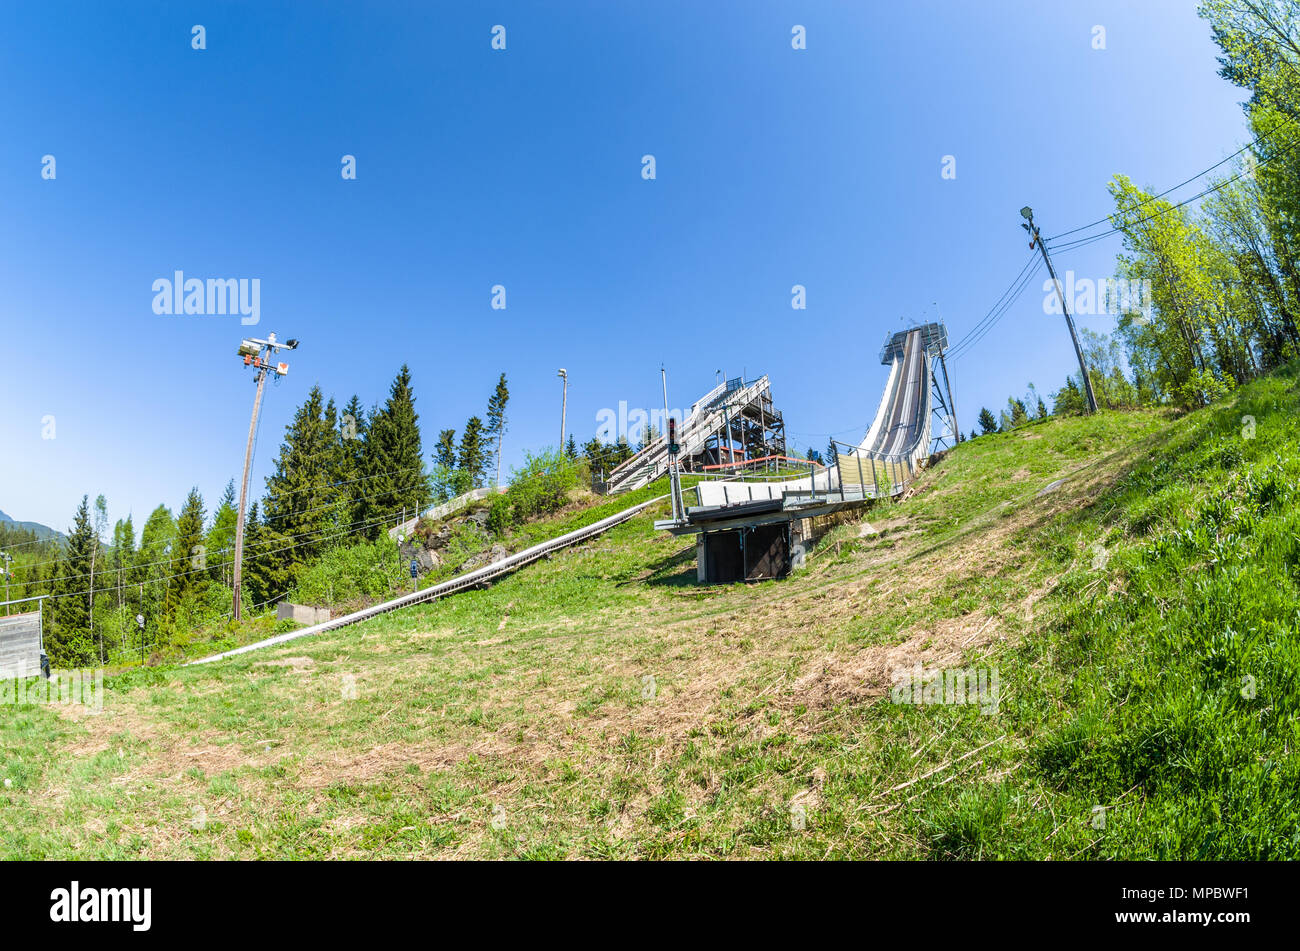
883 465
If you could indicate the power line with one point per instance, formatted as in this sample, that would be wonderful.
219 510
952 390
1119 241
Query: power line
955 354
267 520
1223 183
1031 262
1175 188
222 564
977 333
182 556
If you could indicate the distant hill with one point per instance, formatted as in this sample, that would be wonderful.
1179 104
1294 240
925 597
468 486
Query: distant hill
43 531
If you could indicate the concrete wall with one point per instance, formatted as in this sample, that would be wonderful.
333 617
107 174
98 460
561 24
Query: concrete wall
20 645
302 613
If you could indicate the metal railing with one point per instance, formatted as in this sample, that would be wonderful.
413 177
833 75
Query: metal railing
866 473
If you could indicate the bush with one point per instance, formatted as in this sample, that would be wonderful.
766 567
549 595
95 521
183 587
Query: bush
539 487
347 573
499 518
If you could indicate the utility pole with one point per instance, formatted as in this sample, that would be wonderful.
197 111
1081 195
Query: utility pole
256 353
564 405
1036 239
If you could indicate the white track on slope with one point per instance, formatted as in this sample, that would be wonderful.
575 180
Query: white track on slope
459 583
899 426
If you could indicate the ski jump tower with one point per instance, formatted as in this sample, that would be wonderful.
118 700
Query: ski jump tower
735 422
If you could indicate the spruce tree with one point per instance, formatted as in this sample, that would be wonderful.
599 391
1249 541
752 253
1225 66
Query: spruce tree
352 436
496 420
265 573
393 459
69 643
473 453
988 422
338 475
445 452
221 537
444 466
153 563
299 492
189 555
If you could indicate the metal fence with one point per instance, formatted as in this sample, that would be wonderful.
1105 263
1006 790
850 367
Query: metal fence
868 474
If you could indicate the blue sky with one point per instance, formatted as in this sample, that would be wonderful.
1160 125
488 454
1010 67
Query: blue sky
522 167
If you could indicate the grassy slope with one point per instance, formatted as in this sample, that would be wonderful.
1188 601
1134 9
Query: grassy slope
1158 682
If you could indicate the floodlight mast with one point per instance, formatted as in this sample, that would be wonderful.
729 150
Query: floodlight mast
256 352
1036 240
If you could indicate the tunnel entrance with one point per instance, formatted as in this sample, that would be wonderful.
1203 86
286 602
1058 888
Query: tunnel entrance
755 553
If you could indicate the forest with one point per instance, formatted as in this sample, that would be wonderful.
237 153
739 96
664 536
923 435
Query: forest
340 479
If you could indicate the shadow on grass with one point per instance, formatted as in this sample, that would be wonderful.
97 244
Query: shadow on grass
675 571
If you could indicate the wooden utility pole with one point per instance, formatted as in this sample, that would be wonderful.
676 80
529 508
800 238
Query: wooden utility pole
1036 239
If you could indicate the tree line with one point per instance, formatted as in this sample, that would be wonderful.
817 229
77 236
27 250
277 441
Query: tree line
340 475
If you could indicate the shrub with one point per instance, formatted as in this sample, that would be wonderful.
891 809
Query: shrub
347 573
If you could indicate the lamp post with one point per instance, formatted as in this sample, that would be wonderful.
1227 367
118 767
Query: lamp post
1037 239
257 353
563 374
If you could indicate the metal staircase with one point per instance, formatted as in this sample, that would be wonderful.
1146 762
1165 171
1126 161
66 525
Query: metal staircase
713 415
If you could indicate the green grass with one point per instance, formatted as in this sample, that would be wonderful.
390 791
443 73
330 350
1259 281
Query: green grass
1143 618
